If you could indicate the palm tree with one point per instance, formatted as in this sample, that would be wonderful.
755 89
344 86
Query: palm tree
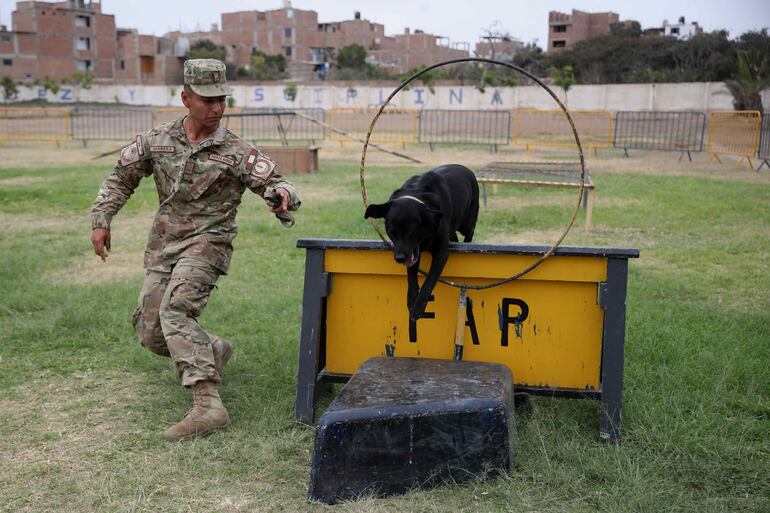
752 77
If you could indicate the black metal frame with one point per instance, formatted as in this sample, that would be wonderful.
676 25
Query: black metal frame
763 152
681 131
288 126
109 123
481 127
312 379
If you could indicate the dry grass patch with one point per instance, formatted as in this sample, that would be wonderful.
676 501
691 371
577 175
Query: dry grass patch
533 237
125 262
90 270
16 223
30 154
20 181
325 194
55 422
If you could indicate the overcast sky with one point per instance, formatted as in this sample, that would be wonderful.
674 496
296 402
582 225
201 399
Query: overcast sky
460 20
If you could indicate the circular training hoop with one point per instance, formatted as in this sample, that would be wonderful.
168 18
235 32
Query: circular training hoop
574 132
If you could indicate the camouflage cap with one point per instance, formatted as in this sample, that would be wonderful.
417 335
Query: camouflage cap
206 77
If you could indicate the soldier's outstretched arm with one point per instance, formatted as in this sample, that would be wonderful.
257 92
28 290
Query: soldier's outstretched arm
260 174
132 166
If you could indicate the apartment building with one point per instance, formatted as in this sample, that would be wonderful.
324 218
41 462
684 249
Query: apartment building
299 36
498 47
146 59
564 30
56 39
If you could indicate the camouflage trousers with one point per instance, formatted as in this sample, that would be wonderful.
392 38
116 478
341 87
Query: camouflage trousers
166 318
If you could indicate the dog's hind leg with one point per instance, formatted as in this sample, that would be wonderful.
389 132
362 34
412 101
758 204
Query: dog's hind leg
469 226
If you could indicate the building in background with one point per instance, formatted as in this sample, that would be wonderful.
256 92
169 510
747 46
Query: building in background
56 39
298 35
679 30
564 30
499 47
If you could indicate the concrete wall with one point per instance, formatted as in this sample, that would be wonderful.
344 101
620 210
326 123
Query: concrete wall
707 96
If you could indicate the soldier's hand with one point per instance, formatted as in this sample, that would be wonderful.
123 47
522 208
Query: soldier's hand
284 205
100 238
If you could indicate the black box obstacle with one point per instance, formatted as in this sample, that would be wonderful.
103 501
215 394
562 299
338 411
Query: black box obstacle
401 423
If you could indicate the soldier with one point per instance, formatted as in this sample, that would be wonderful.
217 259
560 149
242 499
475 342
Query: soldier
201 170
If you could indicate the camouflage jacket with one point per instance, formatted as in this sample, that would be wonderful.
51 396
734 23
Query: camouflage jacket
199 190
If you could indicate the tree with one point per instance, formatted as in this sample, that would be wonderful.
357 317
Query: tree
428 79
533 59
50 84
82 79
563 78
626 29
750 79
351 56
206 49
9 87
266 67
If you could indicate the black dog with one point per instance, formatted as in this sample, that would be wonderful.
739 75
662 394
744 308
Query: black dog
423 215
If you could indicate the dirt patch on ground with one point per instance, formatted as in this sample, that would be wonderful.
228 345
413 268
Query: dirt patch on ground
126 261
15 223
533 237
325 194
90 270
20 181
28 154
55 427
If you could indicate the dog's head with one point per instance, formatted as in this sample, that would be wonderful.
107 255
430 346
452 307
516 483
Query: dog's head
410 224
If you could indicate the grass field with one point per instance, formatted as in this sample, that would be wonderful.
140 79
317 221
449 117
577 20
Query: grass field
83 406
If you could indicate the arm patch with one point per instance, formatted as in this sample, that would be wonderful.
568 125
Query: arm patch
130 154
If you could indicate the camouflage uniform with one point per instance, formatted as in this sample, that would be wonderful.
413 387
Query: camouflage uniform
190 242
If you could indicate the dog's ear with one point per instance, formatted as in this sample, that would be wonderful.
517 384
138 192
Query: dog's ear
377 211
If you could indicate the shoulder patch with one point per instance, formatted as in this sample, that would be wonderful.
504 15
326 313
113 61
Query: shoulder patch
222 159
263 166
162 149
130 154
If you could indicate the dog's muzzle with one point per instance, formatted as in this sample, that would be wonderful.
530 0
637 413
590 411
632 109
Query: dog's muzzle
409 261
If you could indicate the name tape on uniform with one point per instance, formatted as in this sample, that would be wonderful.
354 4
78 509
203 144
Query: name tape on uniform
222 159
162 149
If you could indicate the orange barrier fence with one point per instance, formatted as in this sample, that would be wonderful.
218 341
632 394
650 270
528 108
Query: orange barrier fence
734 133
393 126
35 124
550 128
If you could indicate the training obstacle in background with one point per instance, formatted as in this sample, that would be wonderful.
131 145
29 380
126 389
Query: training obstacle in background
560 328
538 173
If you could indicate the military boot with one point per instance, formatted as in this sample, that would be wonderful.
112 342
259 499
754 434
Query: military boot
223 350
208 414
